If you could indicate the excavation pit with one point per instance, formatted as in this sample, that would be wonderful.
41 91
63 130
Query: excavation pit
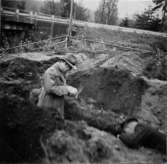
111 91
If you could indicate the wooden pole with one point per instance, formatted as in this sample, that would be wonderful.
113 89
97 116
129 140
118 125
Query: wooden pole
31 16
17 15
75 10
0 23
52 27
71 18
70 23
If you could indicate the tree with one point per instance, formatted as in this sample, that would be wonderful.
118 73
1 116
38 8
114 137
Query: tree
80 13
147 21
34 5
29 5
125 22
66 6
161 4
51 7
107 13
103 10
17 4
62 8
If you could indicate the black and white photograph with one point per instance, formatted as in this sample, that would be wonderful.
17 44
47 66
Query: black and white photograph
83 81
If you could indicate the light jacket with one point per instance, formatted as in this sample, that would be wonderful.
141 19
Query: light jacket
53 89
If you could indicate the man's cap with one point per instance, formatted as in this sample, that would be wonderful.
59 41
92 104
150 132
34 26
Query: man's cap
70 60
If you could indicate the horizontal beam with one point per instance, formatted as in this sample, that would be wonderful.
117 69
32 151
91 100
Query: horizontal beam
35 16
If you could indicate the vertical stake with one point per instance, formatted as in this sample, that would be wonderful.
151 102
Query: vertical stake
70 24
52 27
0 22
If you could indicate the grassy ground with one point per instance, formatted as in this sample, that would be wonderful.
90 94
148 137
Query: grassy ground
129 39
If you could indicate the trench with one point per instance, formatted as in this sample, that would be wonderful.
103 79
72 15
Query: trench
22 123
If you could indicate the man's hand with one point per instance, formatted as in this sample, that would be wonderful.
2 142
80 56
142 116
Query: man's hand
72 91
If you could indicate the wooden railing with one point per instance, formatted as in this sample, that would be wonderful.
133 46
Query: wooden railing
51 18
38 16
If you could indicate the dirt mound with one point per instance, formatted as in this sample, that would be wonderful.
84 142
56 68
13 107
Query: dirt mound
154 104
126 61
157 66
19 68
21 122
79 143
112 89
110 84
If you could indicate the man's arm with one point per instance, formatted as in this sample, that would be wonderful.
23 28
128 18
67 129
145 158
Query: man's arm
63 90
55 85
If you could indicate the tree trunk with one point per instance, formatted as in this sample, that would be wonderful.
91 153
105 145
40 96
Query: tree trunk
102 13
164 14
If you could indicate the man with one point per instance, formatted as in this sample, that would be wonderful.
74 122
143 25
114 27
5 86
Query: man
135 134
54 86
